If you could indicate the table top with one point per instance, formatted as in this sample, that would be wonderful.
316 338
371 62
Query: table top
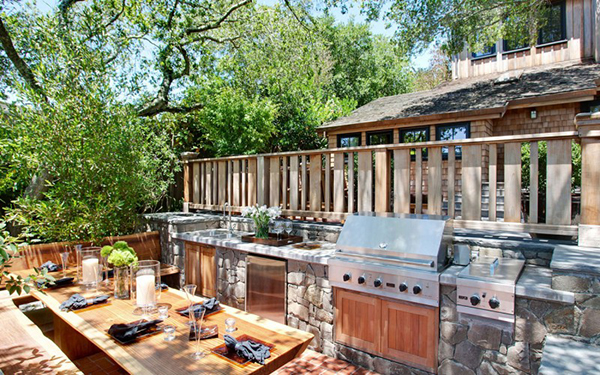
154 355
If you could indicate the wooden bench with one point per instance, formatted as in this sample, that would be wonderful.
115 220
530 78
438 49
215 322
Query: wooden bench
23 347
146 245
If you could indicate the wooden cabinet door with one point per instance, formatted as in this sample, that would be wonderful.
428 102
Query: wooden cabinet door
208 271
192 265
358 320
410 334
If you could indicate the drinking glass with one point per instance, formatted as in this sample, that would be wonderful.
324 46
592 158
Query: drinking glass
197 327
64 258
229 325
278 228
163 312
105 265
289 227
190 291
169 332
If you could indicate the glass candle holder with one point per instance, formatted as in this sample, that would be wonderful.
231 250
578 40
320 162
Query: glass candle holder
89 269
229 325
145 283
163 312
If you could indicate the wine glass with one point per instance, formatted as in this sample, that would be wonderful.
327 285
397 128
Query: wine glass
196 326
190 291
289 227
64 257
278 228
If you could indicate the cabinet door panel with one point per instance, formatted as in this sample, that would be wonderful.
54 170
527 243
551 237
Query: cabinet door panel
358 320
208 273
410 334
192 266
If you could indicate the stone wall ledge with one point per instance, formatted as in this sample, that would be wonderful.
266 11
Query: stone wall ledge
576 260
564 356
535 283
180 218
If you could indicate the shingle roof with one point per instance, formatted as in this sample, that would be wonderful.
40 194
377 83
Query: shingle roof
475 94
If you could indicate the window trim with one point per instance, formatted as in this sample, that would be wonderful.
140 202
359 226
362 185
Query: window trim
376 132
486 56
348 135
404 130
563 25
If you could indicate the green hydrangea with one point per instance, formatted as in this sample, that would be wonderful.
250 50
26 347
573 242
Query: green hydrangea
120 254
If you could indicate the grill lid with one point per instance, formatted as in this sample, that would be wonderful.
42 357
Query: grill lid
416 240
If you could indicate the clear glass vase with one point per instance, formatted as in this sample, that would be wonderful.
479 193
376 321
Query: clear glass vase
262 230
121 279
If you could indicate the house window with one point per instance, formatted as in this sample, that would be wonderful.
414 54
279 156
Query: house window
453 132
590 107
555 29
348 140
379 138
415 135
487 51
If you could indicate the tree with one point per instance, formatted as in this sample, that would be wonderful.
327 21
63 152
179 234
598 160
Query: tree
453 24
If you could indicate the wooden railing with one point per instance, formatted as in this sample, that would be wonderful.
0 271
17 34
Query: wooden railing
428 177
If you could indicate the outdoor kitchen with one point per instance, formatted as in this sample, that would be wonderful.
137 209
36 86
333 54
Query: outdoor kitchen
403 294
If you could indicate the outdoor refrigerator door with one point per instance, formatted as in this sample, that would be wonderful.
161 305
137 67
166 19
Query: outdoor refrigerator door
266 288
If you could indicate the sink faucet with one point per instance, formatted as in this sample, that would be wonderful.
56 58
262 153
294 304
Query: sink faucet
228 206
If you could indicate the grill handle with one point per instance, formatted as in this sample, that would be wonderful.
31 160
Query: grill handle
414 262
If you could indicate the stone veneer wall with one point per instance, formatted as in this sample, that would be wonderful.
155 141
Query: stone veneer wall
310 303
231 277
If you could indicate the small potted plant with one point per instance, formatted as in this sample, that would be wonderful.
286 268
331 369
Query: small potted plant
121 256
262 216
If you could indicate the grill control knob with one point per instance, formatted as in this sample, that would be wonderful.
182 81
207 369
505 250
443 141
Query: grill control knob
361 280
417 289
403 287
377 282
475 299
347 276
494 303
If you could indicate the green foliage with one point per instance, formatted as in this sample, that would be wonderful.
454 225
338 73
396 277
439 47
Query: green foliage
120 254
9 250
542 166
452 24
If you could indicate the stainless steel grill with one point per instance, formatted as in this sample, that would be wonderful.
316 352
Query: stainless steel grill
392 255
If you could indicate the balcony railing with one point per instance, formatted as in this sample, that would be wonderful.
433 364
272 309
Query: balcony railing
330 184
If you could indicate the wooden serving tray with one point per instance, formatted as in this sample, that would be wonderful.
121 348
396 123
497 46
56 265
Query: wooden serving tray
272 240
231 356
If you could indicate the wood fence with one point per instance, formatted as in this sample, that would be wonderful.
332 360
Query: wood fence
426 177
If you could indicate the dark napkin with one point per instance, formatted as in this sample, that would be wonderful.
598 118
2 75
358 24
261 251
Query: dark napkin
50 266
209 305
77 301
58 283
250 350
128 332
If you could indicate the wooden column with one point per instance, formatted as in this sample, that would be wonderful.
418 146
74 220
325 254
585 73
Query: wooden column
262 181
338 182
418 181
493 181
558 186
451 181
252 182
589 131
351 205
471 182
222 182
235 185
274 181
294 185
196 183
327 185
365 181
382 181
512 182
315 182
434 180
188 188
533 182
402 181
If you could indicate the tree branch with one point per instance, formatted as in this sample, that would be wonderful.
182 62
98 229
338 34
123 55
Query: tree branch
215 24
20 64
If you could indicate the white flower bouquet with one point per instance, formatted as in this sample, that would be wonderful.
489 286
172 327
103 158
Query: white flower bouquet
262 216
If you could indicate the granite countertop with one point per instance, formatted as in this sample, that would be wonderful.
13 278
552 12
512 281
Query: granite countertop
320 256
535 282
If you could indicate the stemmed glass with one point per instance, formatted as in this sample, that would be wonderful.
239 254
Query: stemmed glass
64 257
105 261
190 291
288 227
278 228
195 321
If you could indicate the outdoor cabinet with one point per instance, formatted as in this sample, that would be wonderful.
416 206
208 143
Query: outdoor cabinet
201 269
400 331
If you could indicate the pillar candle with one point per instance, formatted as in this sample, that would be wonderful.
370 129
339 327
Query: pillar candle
91 270
145 288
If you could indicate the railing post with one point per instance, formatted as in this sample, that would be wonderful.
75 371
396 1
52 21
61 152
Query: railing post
262 180
588 126
187 178
382 181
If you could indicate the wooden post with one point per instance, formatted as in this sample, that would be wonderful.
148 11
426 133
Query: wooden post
315 182
262 181
338 182
452 181
588 126
351 182
418 180
252 182
365 181
196 183
382 181
294 185
434 179
558 186
471 182
512 182
327 185
222 182
187 178
533 182
402 181
235 185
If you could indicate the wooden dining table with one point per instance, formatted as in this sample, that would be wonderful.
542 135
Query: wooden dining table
82 332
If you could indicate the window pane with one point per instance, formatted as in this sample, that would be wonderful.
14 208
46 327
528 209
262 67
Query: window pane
553 30
380 138
349 142
410 136
487 51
